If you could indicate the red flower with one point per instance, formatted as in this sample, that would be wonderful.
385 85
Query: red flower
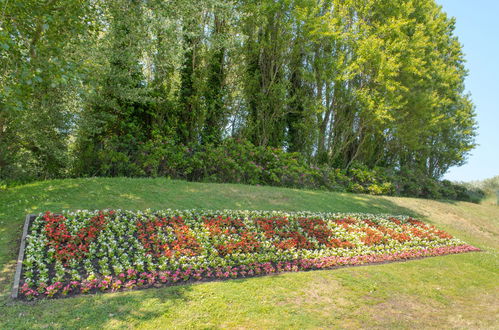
184 244
240 239
70 246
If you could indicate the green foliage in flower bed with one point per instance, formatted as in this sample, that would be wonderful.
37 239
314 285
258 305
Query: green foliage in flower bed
88 251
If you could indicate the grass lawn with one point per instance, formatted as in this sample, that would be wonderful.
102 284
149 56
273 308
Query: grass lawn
459 291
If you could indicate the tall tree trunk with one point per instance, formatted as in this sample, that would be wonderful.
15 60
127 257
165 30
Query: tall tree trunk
189 108
215 114
296 116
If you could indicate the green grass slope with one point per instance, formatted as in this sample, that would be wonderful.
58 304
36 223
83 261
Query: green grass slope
458 291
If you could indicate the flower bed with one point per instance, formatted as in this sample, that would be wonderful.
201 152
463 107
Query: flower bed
84 252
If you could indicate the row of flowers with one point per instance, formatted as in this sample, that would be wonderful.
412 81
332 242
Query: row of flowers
88 251
133 279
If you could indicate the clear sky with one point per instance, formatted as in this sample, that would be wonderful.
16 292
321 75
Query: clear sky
477 27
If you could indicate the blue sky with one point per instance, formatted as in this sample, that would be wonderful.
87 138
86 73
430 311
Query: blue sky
477 27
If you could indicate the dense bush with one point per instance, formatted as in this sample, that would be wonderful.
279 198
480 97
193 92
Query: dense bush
239 161
477 189
416 184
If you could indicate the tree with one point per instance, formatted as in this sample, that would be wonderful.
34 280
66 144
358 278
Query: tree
112 87
119 114
40 84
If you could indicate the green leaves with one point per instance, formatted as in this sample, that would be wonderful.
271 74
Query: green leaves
378 83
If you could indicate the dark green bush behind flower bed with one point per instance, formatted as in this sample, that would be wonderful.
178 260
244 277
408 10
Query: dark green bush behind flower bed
239 161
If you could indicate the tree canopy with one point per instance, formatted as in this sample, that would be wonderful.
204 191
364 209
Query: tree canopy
106 87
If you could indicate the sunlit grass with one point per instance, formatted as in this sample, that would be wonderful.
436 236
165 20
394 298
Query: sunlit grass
449 291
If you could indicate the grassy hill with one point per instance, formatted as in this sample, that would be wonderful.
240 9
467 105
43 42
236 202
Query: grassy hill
449 291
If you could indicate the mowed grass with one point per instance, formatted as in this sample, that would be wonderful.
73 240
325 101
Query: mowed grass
455 291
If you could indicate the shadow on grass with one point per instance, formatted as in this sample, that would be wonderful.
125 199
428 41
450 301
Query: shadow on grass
123 309
99 310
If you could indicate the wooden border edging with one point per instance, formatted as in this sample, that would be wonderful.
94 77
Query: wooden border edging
17 277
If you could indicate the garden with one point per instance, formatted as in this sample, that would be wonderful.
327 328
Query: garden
85 252
238 164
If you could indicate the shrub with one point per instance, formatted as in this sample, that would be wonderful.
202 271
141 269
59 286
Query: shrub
239 161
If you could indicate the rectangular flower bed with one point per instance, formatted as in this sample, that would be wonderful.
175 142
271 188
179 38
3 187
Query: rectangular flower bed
90 251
